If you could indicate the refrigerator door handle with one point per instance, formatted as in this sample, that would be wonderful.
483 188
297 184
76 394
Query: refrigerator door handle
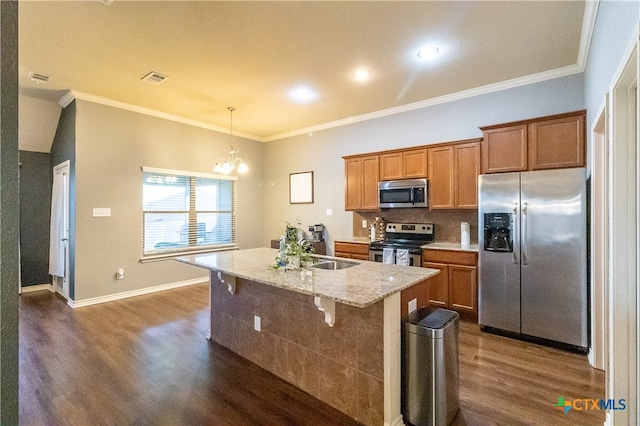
524 233
515 214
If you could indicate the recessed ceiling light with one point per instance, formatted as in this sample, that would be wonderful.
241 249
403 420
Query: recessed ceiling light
362 75
303 94
428 52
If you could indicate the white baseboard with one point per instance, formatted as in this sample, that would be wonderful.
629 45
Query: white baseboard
37 287
133 293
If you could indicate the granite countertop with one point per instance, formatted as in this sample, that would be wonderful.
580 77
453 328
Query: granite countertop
357 240
451 246
360 286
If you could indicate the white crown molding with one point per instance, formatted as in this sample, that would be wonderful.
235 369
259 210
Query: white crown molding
72 95
483 90
588 24
133 293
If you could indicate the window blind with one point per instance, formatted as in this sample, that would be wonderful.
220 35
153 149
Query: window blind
185 211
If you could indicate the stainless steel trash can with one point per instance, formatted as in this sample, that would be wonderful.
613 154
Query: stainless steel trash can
430 367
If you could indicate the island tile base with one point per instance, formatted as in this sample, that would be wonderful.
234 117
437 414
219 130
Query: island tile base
343 365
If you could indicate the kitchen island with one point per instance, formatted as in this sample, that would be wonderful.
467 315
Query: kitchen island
333 333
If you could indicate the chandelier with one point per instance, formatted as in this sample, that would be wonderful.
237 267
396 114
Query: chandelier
229 164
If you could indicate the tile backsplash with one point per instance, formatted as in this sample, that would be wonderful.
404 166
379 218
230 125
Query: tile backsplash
447 222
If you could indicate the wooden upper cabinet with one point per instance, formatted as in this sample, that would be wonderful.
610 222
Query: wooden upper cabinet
414 163
361 183
557 143
370 172
353 183
406 164
453 175
441 175
551 142
504 149
466 171
391 166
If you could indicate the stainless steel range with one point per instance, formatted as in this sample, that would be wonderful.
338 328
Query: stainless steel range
402 243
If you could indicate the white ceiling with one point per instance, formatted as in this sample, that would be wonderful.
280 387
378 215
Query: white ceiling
252 55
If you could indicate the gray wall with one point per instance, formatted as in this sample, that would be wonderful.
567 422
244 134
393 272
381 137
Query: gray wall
112 145
35 215
9 196
321 151
615 27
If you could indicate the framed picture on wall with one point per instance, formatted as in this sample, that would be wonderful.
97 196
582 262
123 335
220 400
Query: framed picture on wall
301 188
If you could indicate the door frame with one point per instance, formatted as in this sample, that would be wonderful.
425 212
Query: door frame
64 168
599 234
624 239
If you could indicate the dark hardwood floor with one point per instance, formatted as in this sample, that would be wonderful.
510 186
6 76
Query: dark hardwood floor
145 361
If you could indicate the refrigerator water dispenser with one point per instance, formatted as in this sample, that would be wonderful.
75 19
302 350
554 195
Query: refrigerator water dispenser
498 232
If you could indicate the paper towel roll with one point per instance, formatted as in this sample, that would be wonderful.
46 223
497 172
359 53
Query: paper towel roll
465 234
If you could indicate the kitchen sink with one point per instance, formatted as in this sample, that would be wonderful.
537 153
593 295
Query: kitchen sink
332 264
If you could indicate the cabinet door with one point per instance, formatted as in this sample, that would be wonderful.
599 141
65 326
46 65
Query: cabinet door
370 172
504 149
391 166
415 163
466 171
463 288
557 143
351 250
441 177
353 183
438 292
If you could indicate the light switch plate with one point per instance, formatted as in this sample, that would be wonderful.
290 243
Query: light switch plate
101 212
364 223
413 305
256 323
329 212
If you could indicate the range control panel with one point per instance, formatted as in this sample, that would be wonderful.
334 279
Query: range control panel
410 228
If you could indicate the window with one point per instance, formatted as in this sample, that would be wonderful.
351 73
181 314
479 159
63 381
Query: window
185 211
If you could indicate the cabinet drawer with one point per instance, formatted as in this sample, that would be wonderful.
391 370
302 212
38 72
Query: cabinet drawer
450 256
353 248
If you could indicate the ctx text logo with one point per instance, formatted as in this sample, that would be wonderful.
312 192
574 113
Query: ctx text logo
588 404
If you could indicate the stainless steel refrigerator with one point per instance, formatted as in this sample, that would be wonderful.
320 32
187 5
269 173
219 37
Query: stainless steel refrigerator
532 254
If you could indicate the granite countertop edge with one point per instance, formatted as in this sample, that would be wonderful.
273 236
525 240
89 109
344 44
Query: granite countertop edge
374 281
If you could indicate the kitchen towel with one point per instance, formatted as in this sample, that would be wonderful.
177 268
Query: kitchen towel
402 257
388 255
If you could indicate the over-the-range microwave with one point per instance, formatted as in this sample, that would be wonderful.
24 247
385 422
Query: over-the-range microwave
403 193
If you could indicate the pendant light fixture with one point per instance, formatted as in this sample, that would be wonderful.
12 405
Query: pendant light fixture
229 164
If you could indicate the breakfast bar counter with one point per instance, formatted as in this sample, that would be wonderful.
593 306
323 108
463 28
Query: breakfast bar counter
333 333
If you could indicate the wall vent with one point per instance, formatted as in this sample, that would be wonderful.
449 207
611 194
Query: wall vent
37 77
154 78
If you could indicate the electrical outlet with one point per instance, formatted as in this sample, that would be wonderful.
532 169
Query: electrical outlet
329 212
101 212
364 223
120 274
413 305
257 323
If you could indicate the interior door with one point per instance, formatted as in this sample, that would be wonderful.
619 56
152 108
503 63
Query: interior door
59 244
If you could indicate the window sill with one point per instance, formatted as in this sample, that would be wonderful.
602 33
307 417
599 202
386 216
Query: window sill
171 256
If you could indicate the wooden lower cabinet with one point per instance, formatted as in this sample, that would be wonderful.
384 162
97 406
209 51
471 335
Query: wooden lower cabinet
359 251
456 286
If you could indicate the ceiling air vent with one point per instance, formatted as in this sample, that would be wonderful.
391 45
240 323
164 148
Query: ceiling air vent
38 78
154 78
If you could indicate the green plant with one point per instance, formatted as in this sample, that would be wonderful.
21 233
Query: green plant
293 244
